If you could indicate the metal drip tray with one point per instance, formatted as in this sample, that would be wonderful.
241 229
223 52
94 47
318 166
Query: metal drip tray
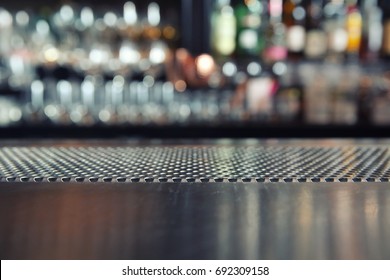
196 163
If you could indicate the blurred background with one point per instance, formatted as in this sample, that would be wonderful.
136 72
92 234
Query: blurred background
186 68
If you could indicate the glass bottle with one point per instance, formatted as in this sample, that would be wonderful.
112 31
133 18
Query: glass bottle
223 33
276 49
289 97
335 27
250 27
316 40
354 25
260 90
386 30
372 30
294 15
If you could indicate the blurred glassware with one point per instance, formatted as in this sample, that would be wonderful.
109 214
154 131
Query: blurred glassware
10 113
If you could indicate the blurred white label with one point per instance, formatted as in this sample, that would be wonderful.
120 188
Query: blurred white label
248 39
375 36
296 38
316 43
252 21
375 29
259 91
338 40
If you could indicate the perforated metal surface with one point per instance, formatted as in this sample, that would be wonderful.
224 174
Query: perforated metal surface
204 163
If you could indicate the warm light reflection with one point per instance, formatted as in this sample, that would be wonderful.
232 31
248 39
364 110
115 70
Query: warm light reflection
129 54
239 221
304 216
180 86
205 65
157 53
99 55
51 54
169 32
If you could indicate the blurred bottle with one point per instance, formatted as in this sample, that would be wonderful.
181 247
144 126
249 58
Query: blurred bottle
317 81
152 30
35 101
344 96
276 49
386 31
223 29
335 17
372 30
354 26
365 100
250 27
381 102
10 113
289 97
6 29
316 40
132 23
260 90
294 16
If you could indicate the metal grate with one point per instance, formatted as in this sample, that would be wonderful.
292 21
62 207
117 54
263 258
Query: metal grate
207 163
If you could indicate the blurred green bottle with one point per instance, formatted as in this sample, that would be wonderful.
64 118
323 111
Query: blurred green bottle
250 27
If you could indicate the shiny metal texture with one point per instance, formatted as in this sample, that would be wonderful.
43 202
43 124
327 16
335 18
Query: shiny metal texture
196 163
185 199
195 221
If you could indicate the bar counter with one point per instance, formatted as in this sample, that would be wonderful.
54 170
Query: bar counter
248 199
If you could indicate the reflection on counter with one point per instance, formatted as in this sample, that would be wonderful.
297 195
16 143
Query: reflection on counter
196 222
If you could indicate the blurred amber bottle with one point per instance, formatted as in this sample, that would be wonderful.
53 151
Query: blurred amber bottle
354 25
386 32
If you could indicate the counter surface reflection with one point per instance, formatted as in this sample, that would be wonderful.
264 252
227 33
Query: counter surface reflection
195 221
